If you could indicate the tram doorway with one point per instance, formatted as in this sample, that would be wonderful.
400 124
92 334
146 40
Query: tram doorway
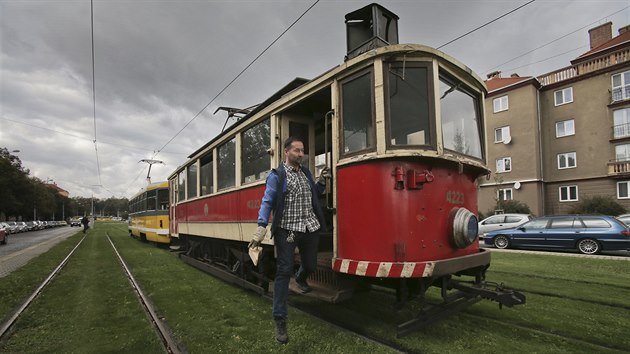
308 121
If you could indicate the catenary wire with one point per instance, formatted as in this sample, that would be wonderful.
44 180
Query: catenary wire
236 78
553 41
543 60
485 24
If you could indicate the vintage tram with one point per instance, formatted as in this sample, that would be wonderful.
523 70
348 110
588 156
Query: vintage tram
148 214
401 128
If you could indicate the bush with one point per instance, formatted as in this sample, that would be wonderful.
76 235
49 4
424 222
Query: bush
598 204
513 206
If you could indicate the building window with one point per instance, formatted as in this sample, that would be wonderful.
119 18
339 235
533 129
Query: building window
622 190
504 194
255 144
500 104
565 128
500 134
622 152
566 160
504 164
621 119
563 96
568 193
621 86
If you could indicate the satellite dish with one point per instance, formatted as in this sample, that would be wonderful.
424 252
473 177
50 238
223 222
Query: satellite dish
517 185
507 140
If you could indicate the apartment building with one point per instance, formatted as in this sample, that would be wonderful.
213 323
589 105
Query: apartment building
562 136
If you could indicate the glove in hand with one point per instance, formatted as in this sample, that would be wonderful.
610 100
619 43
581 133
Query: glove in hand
258 237
324 175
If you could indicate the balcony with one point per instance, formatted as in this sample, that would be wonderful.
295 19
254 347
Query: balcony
620 93
619 169
594 64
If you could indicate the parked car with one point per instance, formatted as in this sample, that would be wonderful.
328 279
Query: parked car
625 218
4 235
502 221
589 234
6 227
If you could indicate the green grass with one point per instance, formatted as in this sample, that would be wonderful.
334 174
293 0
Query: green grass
91 299
89 307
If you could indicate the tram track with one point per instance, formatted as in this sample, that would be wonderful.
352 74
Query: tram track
169 343
6 325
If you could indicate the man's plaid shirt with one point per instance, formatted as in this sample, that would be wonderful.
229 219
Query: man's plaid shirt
298 207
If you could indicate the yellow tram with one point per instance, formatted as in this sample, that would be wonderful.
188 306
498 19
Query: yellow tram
148 214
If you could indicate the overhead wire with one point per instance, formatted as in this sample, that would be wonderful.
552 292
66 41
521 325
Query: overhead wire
98 164
485 24
236 78
553 41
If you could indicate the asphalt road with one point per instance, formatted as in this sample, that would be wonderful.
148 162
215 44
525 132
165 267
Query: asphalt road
620 255
22 247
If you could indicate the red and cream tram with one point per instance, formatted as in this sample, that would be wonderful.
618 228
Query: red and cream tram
401 128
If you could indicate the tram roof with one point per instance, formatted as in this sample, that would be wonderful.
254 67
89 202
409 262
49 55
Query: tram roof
295 83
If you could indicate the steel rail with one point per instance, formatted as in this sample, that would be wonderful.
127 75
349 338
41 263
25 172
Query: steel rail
169 343
4 328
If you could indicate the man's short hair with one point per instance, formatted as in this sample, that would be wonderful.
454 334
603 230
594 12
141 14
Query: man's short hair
290 140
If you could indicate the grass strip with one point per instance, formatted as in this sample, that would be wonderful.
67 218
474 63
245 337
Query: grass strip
208 315
89 307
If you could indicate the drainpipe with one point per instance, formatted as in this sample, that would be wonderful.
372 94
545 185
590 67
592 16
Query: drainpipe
540 156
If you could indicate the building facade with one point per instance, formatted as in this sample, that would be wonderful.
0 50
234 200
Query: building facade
557 138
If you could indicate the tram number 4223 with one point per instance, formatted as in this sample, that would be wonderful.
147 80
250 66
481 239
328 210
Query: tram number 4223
454 197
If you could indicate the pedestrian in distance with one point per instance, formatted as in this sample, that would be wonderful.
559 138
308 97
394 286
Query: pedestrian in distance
291 196
86 223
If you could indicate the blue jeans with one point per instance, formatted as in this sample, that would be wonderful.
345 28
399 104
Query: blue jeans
307 243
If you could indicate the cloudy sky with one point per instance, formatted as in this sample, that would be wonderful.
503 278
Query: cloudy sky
158 63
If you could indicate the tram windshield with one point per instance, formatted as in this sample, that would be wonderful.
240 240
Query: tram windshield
460 119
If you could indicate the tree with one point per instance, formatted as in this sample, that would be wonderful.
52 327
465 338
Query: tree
598 204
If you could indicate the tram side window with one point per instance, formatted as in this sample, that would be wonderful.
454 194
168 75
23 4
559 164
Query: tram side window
357 108
162 198
181 186
206 174
255 143
151 200
408 91
143 202
460 119
192 181
226 163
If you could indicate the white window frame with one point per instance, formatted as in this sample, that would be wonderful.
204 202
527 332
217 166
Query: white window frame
500 104
627 183
504 192
626 155
623 86
505 132
564 124
566 159
567 96
568 188
502 164
621 122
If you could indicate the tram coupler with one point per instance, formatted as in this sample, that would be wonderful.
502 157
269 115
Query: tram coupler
490 291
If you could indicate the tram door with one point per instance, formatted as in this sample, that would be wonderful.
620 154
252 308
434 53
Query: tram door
311 130
172 198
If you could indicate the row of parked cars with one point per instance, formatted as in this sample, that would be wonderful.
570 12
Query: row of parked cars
14 227
589 234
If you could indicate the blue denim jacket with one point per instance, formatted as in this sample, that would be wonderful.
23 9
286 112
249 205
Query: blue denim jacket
273 202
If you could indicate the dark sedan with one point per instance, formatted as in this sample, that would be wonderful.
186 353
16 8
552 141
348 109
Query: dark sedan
589 234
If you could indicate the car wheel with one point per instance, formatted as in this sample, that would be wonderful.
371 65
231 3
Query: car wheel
501 242
588 246
6 238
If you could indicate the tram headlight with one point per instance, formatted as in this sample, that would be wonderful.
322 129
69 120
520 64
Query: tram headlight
465 227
